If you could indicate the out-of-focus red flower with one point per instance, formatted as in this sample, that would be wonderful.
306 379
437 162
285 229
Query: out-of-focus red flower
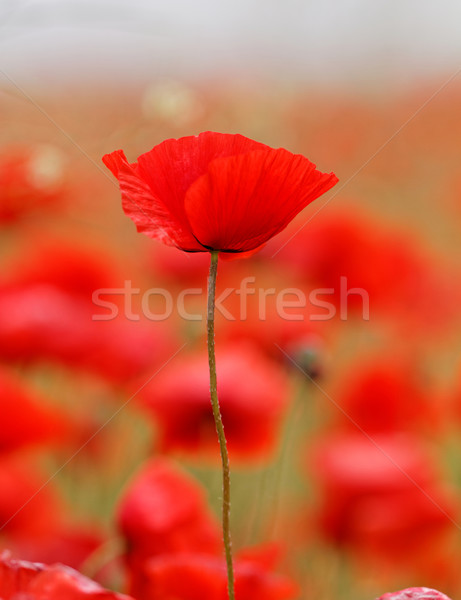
69 545
174 543
34 522
21 580
386 394
351 260
164 511
253 396
216 191
381 495
334 246
198 576
69 265
28 507
31 178
415 593
53 307
43 323
27 418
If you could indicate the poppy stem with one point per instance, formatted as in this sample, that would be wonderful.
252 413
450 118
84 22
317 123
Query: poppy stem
219 424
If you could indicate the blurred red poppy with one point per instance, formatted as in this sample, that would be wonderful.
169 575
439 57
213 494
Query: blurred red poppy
386 394
44 323
52 309
35 522
198 576
381 496
72 265
27 418
254 395
216 191
28 507
164 511
414 593
67 544
31 177
21 580
342 255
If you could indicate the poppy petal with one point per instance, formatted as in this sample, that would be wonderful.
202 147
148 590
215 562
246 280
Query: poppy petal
115 161
148 212
243 201
228 256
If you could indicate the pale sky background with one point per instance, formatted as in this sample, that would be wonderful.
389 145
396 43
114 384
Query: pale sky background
328 41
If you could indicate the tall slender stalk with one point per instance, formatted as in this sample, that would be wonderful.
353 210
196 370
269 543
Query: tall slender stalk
219 425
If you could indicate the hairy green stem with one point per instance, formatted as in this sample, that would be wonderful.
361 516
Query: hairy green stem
219 425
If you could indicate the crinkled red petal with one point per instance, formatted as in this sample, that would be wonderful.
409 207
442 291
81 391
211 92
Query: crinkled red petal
150 215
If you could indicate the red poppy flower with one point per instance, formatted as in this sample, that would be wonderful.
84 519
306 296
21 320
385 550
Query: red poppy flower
27 507
26 419
385 394
31 178
216 191
383 498
415 593
52 299
163 511
198 576
342 255
67 544
21 580
41 322
35 523
71 265
254 396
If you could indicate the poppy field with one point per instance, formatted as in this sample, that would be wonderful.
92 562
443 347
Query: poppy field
336 330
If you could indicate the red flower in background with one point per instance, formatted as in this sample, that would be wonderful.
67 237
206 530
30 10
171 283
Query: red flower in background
386 394
199 576
28 508
72 265
355 251
47 313
254 395
164 511
382 497
64 543
31 178
22 580
26 417
216 191
35 522
415 593
173 543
